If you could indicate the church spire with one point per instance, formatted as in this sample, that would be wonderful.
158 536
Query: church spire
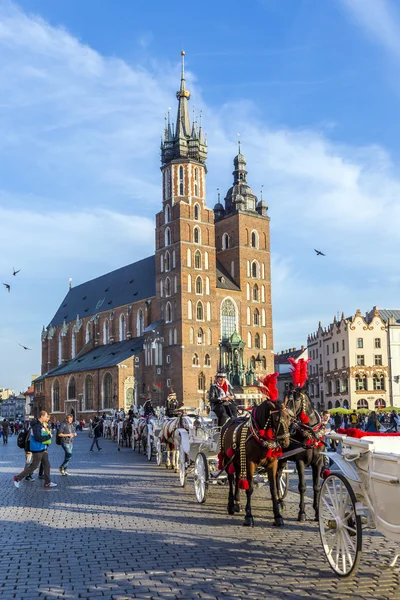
183 141
182 120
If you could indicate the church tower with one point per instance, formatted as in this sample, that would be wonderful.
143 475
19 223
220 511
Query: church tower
185 258
242 229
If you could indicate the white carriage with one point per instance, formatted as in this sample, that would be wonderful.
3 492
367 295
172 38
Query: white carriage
198 455
365 491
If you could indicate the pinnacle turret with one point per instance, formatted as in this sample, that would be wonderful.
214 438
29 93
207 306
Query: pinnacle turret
185 141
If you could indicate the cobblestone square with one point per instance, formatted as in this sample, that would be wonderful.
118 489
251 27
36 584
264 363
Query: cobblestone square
121 528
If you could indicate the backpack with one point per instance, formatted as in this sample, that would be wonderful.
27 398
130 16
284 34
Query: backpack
22 437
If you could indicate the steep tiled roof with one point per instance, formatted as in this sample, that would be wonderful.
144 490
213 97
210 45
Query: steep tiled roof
98 358
224 280
387 313
281 359
128 284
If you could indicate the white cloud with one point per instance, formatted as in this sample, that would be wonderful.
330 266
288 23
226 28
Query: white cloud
79 138
380 19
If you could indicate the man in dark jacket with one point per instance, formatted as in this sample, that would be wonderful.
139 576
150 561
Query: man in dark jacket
5 426
40 438
221 399
97 429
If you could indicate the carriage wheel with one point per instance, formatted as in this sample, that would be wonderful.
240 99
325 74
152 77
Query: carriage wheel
339 525
149 448
182 468
159 454
282 485
201 477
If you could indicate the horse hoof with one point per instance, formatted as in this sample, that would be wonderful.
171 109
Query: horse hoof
231 510
248 522
302 517
236 507
278 522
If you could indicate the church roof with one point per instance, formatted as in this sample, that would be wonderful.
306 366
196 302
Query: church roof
101 357
131 283
224 280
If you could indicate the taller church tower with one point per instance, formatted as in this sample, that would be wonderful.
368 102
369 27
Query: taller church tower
185 257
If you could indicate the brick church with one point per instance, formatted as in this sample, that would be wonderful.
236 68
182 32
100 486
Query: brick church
166 323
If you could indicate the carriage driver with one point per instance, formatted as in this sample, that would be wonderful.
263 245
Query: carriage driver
148 410
221 399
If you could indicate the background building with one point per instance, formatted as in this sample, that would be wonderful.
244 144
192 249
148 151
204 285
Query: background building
168 322
282 366
355 361
13 408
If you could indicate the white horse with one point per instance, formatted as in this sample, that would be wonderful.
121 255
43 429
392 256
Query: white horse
171 434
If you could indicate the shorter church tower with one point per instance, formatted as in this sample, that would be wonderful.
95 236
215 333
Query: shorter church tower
243 248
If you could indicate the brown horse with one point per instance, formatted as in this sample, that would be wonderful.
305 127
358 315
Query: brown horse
250 443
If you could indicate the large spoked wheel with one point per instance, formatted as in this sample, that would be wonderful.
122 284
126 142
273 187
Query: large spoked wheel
201 477
339 525
283 485
158 452
182 468
149 448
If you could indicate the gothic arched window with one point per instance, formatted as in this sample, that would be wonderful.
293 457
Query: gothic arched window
225 241
56 396
167 236
190 310
139 322
73 344
256 317
181 181
197 259
167 261
195 360
189 258
71 388
196 211
201 382
199 285
257 341
106 332
122 328
60 352
228 319
191 335
168 287
167 213
207 360
196 182
196 235
107 391
89 392
168 313
254 239
254 269
200 336
199 311
255 293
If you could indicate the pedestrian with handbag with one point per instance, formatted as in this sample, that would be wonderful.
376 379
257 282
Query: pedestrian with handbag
96 429
65 436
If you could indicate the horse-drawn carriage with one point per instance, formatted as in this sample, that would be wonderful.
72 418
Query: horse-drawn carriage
365 491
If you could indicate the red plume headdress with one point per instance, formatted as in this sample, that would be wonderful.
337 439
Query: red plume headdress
268 386
299 371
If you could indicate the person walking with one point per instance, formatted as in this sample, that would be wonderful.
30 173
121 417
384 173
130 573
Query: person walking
39 440
66 433
6 426
96 429
373 422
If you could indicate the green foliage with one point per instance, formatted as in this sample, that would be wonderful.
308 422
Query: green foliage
362 411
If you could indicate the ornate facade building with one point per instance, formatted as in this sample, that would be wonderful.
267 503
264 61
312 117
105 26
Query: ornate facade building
355 361
168 322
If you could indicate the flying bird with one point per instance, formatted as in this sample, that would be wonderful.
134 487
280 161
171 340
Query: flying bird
15 272
7 286
319 253
24 347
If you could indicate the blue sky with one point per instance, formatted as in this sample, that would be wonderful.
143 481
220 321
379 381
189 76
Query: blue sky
313 89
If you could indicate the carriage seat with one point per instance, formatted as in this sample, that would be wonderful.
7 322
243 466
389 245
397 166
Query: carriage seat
384 444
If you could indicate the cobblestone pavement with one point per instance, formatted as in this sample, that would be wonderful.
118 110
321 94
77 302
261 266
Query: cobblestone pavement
121 528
